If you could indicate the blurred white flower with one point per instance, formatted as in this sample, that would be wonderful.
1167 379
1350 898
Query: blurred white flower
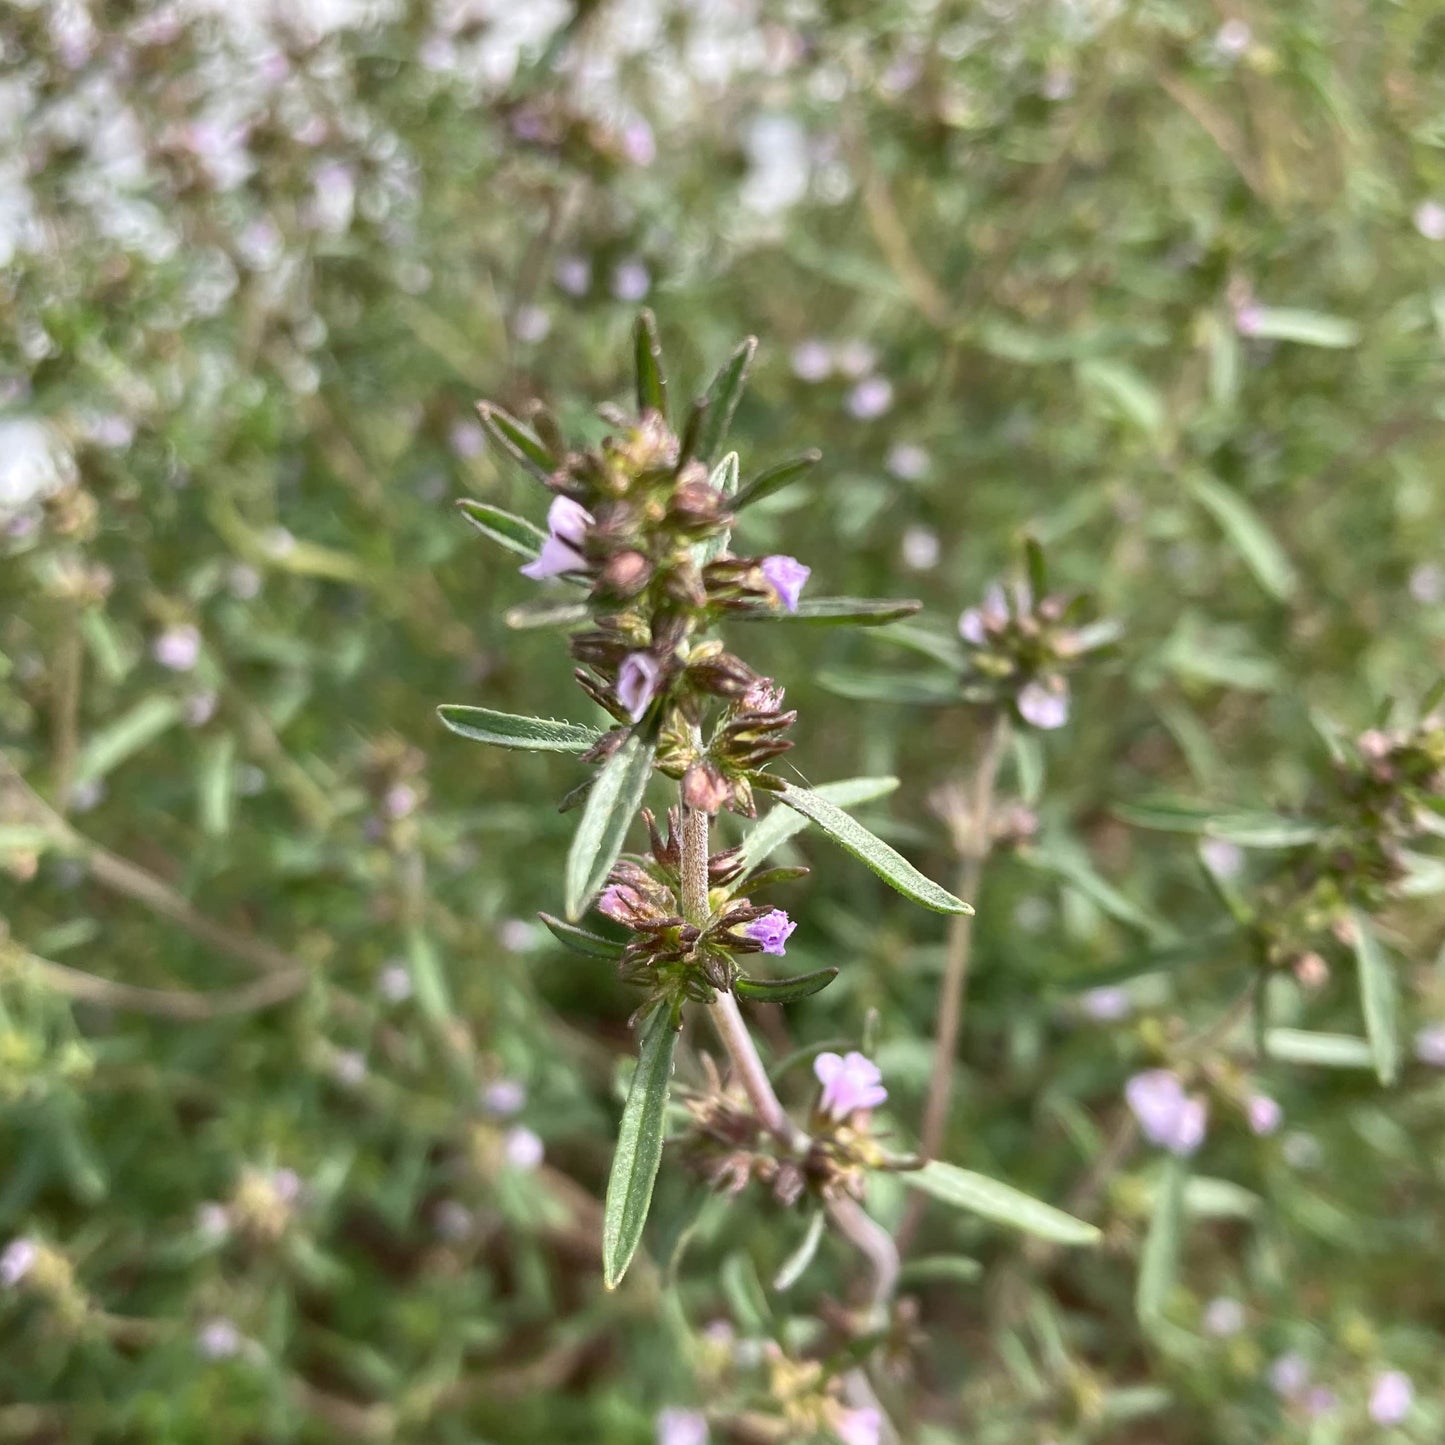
812 361
908 461
522 1148
631 280
920 549
681 1427
573 274
1234 38
531 324
504 1097
16 1261
1430 220
178 648
218 1339
394 983
871 398
1391 1397
1107 1005
1223 1317
1223 858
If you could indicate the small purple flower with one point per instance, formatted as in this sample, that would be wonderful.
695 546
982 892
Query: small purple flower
1223 858
522 1148
1391 1397
504 1097
849 1083
1430 1046
1427 584
1234 38
1106 1005
859 1427
812 361
178 648
631 280
573 274
218 1340
517 935
908 461
213 1221
1223 1317
1168 1116
971 627
567 523
786 576
287 1184
870 398
681 1427
637 682
1430 220
1264 1114
1043 706
200 708
400 801
638 144
1320 1401
17 1260
1248 317
772 930
1289 1375
531 324
855 359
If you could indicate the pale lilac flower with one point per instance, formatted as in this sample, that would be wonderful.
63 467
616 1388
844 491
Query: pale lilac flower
213 1221
1427 584
504 1097
623 904
1223 1317
1248 317
573 274
1167 1115
287 1184
855 359
1107 1005
870 398
1058 83
638 144
1430 1046
1234 38
567 523
1430 220
531 324
518 936
400 801
786 576
971 626
1320 1401
637 682
631 280
17 1260
1391 1397
200 708
522 1148
178 648
812 361
908 461
859 1427
1043 706
1289 1375
467 439
394 983
772 930
218 1340
1264 1114
1223 858
920 549
681 1427
850 1083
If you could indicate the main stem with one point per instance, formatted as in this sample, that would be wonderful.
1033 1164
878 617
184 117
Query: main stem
974 853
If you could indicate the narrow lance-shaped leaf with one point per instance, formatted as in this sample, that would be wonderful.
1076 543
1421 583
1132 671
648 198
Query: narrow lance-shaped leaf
775 478
647 346
527 615
834 612
1248 535
782 823
721 399
784 990
1160 1259
1307 1046
1002 1203
516 440
614 799
1379 997
791 1270
639 1149
915 689
509 730
580 940
1309 328
127 735
890 865
514 533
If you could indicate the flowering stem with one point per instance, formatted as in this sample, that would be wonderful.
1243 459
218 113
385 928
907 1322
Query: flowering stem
974 852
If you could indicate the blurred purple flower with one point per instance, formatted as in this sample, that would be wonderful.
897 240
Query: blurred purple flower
870 398
1168 1116
531 324
218 1340
1264 1114
1320 1401
1430 1045
1106 1005
812 361
772 930
637 682
920 549
1223 858
1223 1317
1391 1397
681 1427
1043 706
573 275
1289 1375
849 1083
1234 38
213 1220
855 359
178 648
787 576
1430 220
631 280
522 1148
567 523
859 1427
467 439
504 1097
200 708
16 1261
908 461
638 143
400 801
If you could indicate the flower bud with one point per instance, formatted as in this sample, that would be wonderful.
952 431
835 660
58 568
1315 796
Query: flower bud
705 788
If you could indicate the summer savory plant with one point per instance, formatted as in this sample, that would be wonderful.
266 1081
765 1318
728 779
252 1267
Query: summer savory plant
641 571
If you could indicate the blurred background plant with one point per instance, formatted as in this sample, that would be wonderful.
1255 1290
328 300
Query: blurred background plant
306 1121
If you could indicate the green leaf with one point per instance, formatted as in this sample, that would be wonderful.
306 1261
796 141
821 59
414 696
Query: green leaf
528 615
941 1268
910 688
834 612
1135 398
26 838
926 641
784 990
1330 1051
428 978
1249 536
615 796
1309 328
890 865
721 399
510 730
1248 829
999 1202
782 823
517 441
1379 997
791 1270
639 1149
580 940
647 350
775 478
516 534
216 785
128 735
1159 1262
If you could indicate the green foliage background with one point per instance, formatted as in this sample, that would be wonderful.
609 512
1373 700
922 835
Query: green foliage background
1165 300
